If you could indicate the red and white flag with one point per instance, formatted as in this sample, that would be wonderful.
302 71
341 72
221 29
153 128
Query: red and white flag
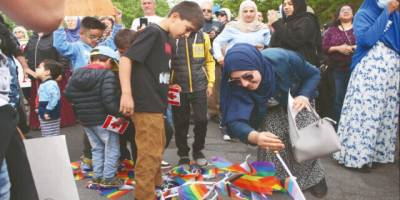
117 125
174 98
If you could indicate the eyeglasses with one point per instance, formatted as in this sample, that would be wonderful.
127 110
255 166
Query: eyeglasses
237 81
94 37
346 10
207 10
221 14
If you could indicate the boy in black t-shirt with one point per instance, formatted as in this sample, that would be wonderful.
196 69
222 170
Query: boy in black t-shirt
144 76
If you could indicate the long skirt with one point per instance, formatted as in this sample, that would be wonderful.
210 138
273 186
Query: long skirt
370 112
308 173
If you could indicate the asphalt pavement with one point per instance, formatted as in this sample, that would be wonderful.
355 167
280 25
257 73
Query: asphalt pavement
382 183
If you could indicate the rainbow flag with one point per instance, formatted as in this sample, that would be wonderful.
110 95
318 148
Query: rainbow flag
76 166
264 185
113 193
79 176
128 164
179 171
293 189
263 168
235 194
192 191
220 162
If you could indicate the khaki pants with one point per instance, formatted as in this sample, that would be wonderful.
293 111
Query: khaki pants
213 100
150 141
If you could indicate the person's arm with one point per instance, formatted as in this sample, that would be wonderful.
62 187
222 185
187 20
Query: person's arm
116 28
65 48
39 15
125 70
240 129
309 75
109 94
138 52
264 140
55 96
368 34
210 64
25 67
221 40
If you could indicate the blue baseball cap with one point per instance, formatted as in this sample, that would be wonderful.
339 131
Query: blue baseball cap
107 51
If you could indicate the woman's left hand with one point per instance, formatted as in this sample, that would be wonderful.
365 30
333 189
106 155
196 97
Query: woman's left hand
301 102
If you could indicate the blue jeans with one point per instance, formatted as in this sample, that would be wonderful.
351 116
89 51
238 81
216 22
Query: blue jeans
341 81
4 182
105 151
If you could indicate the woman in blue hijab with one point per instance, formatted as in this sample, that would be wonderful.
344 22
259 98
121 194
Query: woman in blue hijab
250 78
73 28
370 112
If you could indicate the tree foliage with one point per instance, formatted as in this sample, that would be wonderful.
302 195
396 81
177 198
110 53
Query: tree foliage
131 9
324 9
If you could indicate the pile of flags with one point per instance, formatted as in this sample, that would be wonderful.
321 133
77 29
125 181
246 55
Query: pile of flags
243 181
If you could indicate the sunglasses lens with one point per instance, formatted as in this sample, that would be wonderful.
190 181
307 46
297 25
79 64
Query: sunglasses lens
248 77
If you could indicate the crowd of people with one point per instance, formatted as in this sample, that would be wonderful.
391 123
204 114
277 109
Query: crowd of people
236 71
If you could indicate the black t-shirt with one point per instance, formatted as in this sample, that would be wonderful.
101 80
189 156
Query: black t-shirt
151 55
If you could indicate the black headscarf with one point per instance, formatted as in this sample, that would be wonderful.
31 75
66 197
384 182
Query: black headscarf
300 9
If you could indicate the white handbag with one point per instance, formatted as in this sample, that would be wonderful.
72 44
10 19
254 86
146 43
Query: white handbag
313 141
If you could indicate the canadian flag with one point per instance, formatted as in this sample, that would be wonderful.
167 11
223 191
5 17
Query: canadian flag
117 125
174 98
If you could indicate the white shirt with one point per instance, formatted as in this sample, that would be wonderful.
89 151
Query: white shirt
151 19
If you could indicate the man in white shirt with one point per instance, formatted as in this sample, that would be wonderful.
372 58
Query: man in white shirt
149 10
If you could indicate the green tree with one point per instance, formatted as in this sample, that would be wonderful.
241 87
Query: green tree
131 9
324 9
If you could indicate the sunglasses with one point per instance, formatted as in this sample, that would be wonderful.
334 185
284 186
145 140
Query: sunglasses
207 10
237 81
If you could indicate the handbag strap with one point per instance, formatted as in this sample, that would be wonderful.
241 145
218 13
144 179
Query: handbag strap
347 37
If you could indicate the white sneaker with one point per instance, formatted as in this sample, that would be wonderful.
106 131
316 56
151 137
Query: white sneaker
226 138
165 164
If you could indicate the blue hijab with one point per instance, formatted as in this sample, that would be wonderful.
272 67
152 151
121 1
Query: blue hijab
237 103
370 26
73 34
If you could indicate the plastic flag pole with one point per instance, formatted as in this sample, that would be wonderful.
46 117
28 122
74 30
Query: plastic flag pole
291 184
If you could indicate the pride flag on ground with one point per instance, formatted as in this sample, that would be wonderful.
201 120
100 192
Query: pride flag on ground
192 191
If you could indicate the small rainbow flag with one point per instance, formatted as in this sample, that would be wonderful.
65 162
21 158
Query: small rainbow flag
76 166
293 189
179 171
192 191
235 194
79 176
263 168
113 193
220 162
264 185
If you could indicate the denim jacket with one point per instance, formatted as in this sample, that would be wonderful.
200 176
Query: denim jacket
292 73
79 52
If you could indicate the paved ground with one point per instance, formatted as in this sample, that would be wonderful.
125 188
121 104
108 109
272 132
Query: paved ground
382 183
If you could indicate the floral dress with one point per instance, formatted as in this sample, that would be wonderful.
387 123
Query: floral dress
370 113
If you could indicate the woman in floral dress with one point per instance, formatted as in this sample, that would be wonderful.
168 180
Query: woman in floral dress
370 113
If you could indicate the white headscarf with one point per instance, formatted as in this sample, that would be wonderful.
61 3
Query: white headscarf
244 26
22 29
